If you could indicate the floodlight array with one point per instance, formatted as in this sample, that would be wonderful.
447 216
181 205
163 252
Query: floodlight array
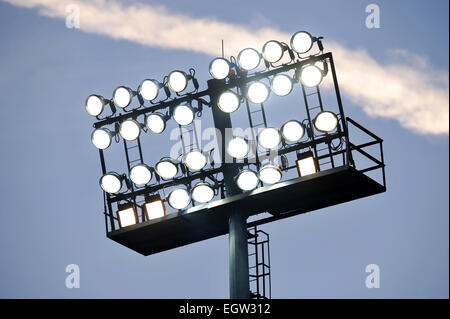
239 84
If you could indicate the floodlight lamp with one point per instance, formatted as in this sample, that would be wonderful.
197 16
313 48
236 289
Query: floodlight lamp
310 76
177 81
228 101
281 84
219 68
130 129
140 174
258 92
183 114
292 131
237 148
155 123
195 160
306 164
247 180
166 168
111 182
154 207
202 192
269 137
273 51
149 89
248 59
301 42
122 96
127 216
95 104
270 174
325 122
179 198
101 138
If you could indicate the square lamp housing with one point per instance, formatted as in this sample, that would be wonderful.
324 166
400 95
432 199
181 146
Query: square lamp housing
154 207
306 164
127 216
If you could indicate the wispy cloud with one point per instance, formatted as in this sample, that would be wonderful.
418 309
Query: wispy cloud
408 90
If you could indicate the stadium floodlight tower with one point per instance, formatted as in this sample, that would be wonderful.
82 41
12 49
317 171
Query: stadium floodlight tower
307 163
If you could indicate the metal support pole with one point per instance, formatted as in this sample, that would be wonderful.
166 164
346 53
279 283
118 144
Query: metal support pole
238 245
239 275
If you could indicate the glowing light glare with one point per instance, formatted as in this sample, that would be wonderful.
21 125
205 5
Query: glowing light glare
179 198
269 137
155 208
301 42
122 96
248 59
177 81
272 51
195 160
228 101
149 89
247 180
127 217
202 192
101 138
155 123
94 105
140 174
306 165
292 131
166 169
219 68
183 114
130 130
325 121
281 85
258 92
237 147
270 174
111 183
311 76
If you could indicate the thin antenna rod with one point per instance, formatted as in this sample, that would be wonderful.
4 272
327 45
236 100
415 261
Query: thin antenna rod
222 48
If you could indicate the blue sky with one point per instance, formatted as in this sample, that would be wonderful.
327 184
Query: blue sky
52 204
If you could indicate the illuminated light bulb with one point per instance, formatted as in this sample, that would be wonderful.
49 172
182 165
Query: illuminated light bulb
237 147
281 84
101 138
272 51
122 96
269 137
292 131
311 76
248 59
247 180
258 92
155 123
130 130
325 121
140 174
179 198
301 42
228 101
183 114
219 68
202 192
149 89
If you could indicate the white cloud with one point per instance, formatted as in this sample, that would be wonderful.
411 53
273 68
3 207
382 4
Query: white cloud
408 90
